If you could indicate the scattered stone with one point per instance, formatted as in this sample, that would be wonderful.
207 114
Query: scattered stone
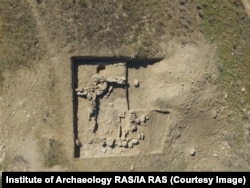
182 9
182 2
89 96
104 150
185 24
110 142
225 95
215 113
137 121
199 7
2 147
132 168
110 104
130 144
78 143
134 141
119 143
133 128
243 89
192 152
143 118
132 116
201 13
39 1
111 79
22 103
136 83
141 136
124 143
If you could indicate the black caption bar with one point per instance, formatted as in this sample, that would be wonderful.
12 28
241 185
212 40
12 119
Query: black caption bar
114 179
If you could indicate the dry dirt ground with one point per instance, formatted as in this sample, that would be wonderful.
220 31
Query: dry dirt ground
246 4
36 102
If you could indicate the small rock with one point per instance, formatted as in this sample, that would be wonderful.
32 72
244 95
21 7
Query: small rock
119 143
22 103
243 89
143 118
2 147
201 13
142 136
124 143
133 128
215 112
199 7
182 9
134 141
185 24
110 142
136 83
104 150
132 168
78 143
130 144
182 2
132 112
137 121
192 152
225 95
89 96
110 104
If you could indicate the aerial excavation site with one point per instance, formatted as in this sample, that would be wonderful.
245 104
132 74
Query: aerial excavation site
113 85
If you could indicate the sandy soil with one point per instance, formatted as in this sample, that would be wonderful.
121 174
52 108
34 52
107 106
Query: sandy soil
246 3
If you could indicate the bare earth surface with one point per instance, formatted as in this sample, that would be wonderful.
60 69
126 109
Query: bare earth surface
246 3
188 117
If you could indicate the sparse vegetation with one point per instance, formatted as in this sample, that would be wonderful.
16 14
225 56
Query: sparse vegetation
53 154
227 24
130 26
18 38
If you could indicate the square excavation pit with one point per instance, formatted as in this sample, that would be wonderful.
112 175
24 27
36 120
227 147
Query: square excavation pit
104 122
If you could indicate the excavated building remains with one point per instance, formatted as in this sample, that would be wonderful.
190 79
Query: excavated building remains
104 124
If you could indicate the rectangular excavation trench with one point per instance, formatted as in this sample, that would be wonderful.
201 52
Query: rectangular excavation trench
109 116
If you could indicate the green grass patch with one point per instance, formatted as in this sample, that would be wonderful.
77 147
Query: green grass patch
227 25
